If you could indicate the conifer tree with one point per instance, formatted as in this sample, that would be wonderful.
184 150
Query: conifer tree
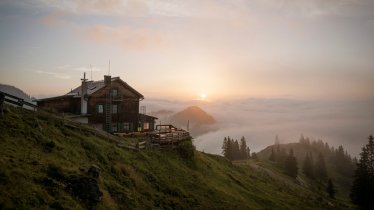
233 151
248 153
236 155
224 147
363 185
343 162
331 189
230 148
308 166
227 148
243 149
291 165
320 168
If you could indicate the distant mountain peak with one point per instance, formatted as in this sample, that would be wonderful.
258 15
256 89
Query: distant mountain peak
194 114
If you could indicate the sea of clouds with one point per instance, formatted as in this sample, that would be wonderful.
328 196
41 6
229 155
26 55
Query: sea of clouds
347 123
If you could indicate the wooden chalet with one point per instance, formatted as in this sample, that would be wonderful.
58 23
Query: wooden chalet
110 104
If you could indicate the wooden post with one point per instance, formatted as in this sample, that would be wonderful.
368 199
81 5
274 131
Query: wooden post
2 99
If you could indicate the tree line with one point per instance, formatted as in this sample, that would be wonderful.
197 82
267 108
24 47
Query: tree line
233 150
362 190
342 162
314 167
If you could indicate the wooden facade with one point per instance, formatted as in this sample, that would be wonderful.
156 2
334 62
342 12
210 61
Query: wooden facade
110 104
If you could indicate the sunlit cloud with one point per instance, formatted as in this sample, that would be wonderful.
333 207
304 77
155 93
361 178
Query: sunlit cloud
126 37
63 67
196 8
54 74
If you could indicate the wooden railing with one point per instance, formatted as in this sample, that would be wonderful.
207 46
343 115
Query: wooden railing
170 138
20 102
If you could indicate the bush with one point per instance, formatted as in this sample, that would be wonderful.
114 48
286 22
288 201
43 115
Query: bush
186 150
49 146
85 189
55 172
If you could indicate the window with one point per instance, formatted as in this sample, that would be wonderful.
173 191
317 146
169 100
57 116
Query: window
146 126
114 92
126 126
114 127
114 108
100 108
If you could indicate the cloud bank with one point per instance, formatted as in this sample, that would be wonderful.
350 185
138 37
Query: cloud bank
346 123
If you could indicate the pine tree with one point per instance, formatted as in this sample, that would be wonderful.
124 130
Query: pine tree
228 145
248 153
308 166
320 168
231 149
291 165
363 185
331 189
224 147
343 162
243 149
236 155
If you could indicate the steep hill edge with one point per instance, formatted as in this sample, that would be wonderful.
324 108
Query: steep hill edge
40 157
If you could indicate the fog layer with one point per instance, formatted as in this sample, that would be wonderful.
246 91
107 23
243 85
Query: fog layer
346 123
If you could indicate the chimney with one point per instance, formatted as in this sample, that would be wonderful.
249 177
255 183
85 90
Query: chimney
107 79
84 96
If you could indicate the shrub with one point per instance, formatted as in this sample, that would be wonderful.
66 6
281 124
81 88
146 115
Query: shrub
85 189
55 172
49 146
186 150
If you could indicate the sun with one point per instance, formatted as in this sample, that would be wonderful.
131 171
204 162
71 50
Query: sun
203 96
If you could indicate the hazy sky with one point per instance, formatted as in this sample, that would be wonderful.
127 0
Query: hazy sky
182 48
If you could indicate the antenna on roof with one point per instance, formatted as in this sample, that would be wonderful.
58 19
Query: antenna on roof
84 77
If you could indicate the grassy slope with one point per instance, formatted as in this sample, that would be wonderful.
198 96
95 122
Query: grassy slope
151 179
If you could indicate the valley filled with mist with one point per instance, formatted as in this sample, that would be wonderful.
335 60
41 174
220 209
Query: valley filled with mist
259 120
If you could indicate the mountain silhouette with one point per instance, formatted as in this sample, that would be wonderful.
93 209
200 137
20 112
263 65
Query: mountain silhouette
200 122
195 115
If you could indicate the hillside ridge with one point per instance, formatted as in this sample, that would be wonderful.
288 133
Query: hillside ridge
43 161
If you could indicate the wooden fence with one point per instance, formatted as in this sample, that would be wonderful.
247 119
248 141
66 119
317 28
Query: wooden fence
19 102
170 138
